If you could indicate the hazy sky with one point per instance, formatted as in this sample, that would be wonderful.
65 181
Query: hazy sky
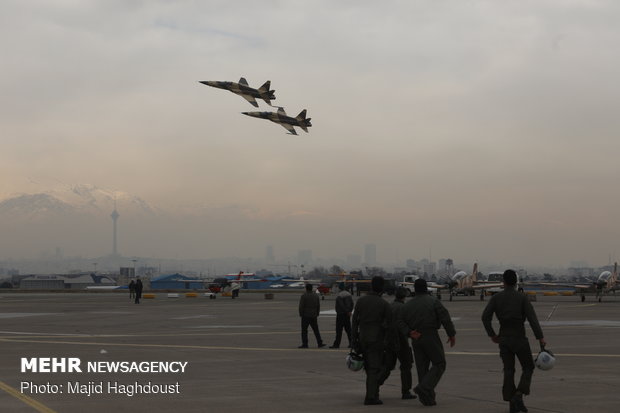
485 130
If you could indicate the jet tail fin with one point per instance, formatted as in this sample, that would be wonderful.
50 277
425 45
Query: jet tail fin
302 115
474 274
265 87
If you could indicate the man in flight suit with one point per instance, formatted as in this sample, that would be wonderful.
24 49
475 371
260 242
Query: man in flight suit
398 349
371 318
309 309
344 308
512 308
420 319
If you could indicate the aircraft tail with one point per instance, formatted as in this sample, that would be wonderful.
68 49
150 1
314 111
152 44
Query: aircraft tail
301 116
266 94
302 121
474 273
265 87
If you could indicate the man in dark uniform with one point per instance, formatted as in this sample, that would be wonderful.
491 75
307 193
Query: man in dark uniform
309 308
398 349
371 318
512 309
344 308
420 319
138 289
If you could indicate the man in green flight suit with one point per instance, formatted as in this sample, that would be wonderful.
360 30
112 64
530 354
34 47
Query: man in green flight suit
371 317
398 348
420 319
512 308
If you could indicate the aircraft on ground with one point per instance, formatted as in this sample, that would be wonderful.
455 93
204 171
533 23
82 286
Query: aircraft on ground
464 283
281 118
245 91
606 282
294 283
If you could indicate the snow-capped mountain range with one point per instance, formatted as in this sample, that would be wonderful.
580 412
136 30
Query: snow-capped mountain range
80 199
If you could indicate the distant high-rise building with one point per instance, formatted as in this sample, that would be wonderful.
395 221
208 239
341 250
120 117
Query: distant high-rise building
269 257
114 216
304 257
370 254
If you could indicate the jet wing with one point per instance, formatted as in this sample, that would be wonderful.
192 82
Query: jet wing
429 285
250 99
548 284
485 286
289 128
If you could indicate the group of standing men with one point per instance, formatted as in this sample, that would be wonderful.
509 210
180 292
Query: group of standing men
381 332
135 290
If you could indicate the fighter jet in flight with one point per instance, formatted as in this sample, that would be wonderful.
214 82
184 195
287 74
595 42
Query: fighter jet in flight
280 117
244 90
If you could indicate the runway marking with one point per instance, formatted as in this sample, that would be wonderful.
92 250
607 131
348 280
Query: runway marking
188 317
78 343
154 345
51 335
551 313
16 315
48 334
29 401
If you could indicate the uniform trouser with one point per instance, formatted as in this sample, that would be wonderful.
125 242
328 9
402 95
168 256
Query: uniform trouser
430 361
509 347
343 321
405 358
312 322
373 364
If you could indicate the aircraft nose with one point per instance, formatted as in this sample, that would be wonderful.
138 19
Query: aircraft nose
253 114
208 82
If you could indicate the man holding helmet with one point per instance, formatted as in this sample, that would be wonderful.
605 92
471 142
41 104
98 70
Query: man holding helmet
512 308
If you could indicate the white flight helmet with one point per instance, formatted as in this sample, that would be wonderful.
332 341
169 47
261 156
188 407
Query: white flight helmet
545 359
354 361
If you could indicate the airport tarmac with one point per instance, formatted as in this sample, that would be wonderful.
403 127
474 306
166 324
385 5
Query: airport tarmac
242 356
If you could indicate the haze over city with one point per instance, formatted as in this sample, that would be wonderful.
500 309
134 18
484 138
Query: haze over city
477 131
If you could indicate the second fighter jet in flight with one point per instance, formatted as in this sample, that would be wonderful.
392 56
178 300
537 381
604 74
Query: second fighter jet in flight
281 118
244 90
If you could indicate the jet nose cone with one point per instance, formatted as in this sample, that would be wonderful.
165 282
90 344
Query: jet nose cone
253 114
208 82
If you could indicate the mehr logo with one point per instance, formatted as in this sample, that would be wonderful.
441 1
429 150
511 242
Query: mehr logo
50 365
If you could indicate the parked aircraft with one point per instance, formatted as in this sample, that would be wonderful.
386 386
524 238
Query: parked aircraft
606 282
296 282
281 118
467 284
245 91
